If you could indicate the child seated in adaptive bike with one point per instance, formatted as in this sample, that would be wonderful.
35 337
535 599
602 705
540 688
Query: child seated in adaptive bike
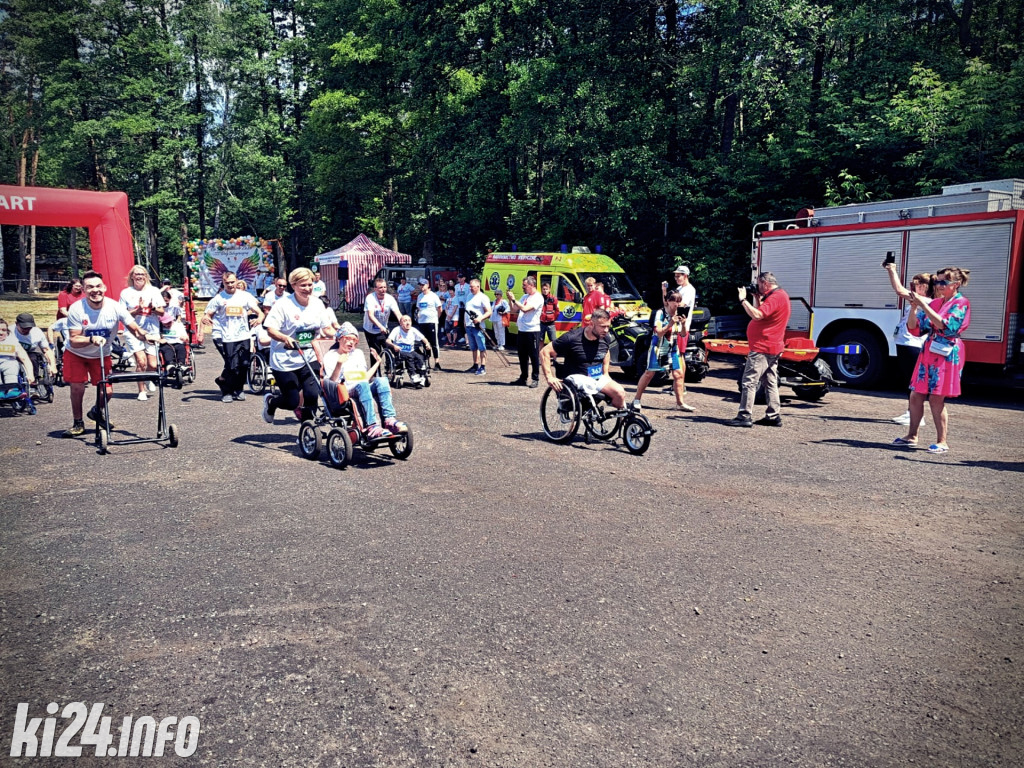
412 350
344 365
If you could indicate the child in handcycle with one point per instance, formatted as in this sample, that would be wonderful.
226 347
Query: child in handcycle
345 366
412 349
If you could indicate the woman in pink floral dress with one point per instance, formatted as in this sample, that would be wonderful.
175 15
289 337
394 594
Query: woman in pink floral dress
937 374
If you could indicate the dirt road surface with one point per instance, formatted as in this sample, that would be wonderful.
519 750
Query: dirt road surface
804 596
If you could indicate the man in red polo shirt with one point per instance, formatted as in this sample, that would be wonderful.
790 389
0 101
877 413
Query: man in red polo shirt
769 315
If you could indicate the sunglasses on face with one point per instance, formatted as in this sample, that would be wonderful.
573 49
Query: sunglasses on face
942 283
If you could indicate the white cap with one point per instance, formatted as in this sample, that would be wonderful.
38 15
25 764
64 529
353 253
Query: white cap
682 269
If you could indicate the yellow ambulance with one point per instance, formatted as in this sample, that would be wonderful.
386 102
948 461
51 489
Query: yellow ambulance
566 273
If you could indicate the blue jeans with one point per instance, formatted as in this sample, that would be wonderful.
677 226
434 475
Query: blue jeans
365 392
476 339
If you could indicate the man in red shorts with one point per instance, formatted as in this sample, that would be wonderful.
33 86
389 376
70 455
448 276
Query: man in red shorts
92 322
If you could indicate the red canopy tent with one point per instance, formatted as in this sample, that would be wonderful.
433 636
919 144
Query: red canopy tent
364 258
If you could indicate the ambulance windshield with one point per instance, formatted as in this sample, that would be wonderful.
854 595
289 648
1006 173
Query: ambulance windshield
616 284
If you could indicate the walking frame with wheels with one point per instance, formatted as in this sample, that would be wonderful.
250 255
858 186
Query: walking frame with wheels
338 427
165 432
563 413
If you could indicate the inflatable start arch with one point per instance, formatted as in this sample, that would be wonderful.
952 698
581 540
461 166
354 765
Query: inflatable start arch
105 214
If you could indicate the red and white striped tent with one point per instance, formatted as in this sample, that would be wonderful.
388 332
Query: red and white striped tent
363 258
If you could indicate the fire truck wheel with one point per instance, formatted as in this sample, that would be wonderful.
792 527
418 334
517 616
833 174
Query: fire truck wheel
859 371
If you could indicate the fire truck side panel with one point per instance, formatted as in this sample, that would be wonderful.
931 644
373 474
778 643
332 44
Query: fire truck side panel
791 261
838 270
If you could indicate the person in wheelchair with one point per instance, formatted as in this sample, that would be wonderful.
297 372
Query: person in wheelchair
347 367
38 348
407 342
587 358
172 340
15 365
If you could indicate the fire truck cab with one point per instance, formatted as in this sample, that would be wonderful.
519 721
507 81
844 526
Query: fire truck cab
832 258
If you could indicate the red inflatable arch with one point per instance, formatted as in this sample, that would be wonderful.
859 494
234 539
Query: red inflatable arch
105 214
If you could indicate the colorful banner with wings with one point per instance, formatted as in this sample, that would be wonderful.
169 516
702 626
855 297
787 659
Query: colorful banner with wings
209 260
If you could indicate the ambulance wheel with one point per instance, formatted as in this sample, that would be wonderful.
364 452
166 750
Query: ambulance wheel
401 446
339 448
310 441
172 436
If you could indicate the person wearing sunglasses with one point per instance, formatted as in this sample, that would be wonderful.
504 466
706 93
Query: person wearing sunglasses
908 346
941 362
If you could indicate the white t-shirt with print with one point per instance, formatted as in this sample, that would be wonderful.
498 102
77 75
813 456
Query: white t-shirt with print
96 322
148 305
297 322
231 315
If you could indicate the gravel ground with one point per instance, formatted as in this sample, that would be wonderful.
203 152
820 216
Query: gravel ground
768 597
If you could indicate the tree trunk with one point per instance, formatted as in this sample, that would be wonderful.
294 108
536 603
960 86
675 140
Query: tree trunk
73 252
33 286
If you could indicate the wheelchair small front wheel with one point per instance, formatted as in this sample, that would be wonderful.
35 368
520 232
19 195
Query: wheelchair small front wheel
636 435
560 414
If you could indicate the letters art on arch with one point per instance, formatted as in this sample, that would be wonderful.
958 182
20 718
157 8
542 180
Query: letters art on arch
104 214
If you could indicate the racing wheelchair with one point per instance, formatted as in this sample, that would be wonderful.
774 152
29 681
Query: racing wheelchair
563 413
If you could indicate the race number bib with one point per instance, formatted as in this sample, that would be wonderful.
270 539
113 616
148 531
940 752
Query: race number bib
595 371
101 332
144 310
233 311
405 347
167 333
8 350
354 377
305 337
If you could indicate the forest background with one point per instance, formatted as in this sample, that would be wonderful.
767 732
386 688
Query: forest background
659 130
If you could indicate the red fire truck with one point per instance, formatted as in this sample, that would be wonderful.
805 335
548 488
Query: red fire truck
832 259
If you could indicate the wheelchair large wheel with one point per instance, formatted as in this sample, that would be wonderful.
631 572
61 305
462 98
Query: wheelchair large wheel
190 371
600 429
392 369
401 446
310 441
560 414
258 374
635 435
339 448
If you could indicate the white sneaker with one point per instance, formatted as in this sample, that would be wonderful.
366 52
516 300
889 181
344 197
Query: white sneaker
143 396
151 386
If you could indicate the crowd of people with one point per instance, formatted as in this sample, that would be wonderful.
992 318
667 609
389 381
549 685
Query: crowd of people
418 321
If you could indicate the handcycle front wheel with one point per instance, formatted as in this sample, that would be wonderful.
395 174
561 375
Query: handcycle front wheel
560 414
601 428
636 435
401 447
